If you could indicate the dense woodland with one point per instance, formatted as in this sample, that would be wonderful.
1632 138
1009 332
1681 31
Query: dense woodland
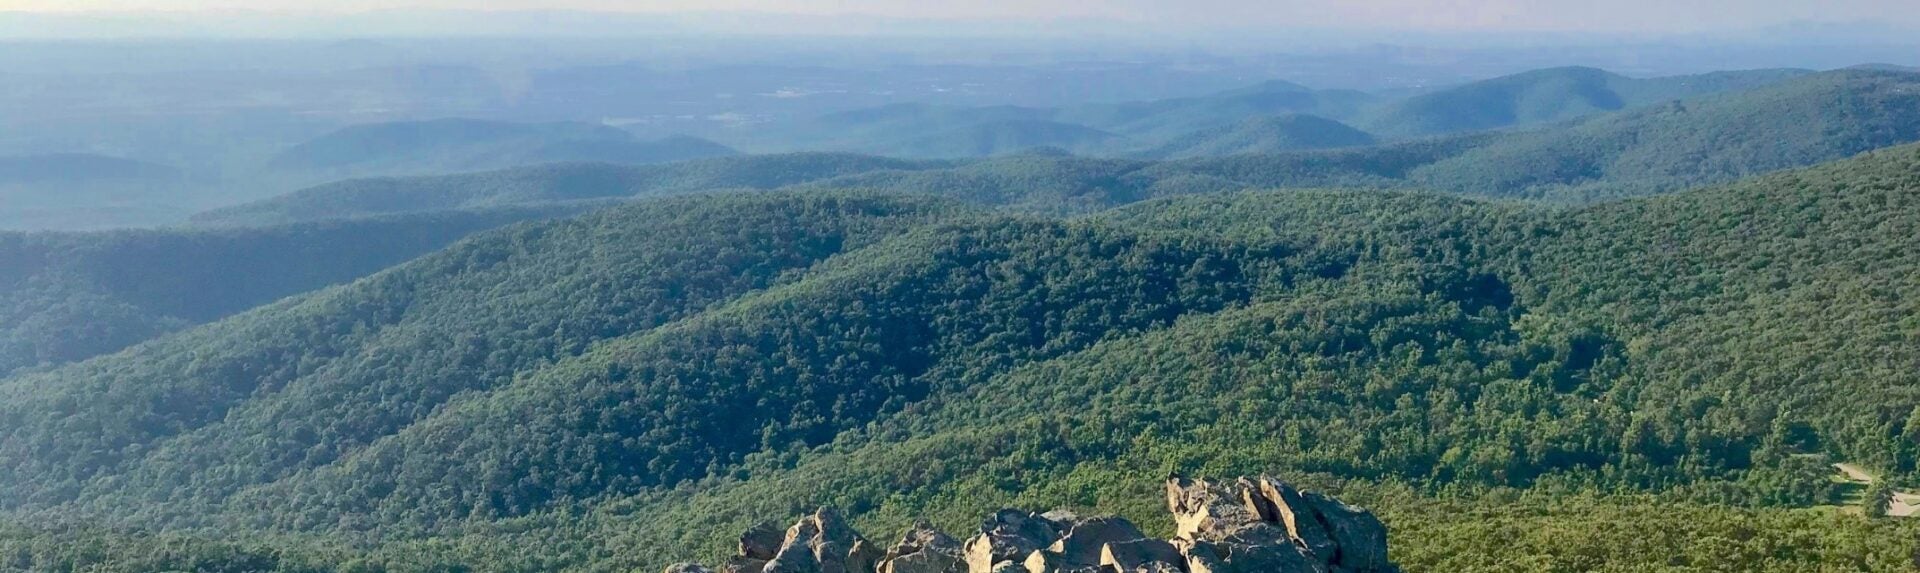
1619 333
1691 358
69 296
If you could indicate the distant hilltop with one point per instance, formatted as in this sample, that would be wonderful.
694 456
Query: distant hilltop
1249 525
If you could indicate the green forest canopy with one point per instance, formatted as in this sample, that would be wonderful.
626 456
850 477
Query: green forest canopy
547 396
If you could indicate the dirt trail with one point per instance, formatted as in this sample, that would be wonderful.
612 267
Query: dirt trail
1904 504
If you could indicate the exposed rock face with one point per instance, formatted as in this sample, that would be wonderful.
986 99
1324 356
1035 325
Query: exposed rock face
822 543
761 542
742 564
1250 525
1281 503
1010 535
1142 555
1360 540
1274 528
924 550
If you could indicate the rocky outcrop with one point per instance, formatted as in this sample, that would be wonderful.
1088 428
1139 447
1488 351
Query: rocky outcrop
1142 555
822 543
1010 535
1085 540
1249 525
1264 524
924 550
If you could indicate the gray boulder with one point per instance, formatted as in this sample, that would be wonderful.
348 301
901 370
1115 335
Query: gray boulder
1264 525
1141 555
761 541
1292 511
1083 541
823 543
1359 536
924 550
1009 535
743 564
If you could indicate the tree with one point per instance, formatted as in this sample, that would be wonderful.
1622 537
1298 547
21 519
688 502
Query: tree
1912 430
1879 498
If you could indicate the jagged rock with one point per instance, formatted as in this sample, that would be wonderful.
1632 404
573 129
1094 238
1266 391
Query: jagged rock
1250 525
1295 514
1265 525
865 557
1201 556
744 564
1043 561
1360 537
1141 555
1230 557
1009 535
1081 545
761 542
823 543
1204 510
924 550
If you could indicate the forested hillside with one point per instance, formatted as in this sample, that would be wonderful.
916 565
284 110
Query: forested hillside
627 388
549 183
1549 95
1264 135
926 131
84 190
1163 120
997 138
919 130
335 370
1038 182
1680 144
69 296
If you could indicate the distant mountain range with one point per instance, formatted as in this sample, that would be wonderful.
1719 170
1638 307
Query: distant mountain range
1640 150
1550 95
547 183
1161 128
1272 117
440 146
1271 134
80 168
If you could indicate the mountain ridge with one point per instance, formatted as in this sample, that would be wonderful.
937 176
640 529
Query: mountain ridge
459 144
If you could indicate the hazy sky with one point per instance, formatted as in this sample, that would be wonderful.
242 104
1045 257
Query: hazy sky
1439 15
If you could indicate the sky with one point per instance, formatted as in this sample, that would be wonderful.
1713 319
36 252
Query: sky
1596 16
